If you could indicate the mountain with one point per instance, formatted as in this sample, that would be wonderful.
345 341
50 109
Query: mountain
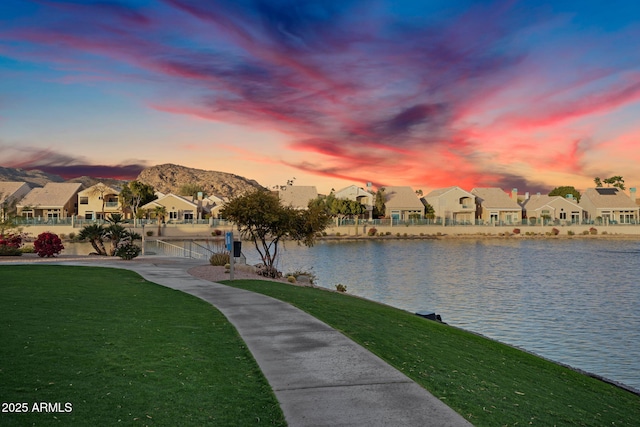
168 178
34 178
88 181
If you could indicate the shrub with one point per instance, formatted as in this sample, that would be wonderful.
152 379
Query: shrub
397 234
593 231
128 251
555 231
149 233
516 231
28 249
10 245
570 233
585 232
291 279
62 236
216 232
338 234
372 231
48 245
72 235
388 233
266 271
219 259
341 288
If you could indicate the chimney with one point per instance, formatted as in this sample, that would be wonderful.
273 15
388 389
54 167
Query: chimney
526 195
632 193
514 194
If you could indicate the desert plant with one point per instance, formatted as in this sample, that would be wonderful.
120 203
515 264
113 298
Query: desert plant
149 233
216 232
570 233
48 245
95 234
72 235
555 231
219 259
128 251
291 279
585 232
341 288
593 231
372 231
338 234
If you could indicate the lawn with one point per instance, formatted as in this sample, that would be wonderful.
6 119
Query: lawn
103 346
489 383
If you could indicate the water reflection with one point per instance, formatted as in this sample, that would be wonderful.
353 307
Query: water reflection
573 301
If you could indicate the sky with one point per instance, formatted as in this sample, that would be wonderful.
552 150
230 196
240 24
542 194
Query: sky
511 94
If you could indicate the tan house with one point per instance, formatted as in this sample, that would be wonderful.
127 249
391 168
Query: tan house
297 196
212 205
358 194
53 201
178 208
554 208
609 205
494 206
11 192
402 204
98 202
453 204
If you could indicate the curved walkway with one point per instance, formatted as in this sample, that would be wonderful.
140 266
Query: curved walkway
319 376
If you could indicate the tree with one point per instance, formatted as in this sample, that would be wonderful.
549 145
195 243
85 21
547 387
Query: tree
379 208
99 190
615 181
597 181
160 212
135 194
429 212
95 234
564 190
261 218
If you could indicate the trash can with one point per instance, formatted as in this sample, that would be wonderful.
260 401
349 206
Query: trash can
237 249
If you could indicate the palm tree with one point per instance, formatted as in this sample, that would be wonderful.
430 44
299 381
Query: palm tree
94 233
116 233
160 212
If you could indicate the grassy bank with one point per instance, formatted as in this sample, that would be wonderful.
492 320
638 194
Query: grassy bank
121 350
489 383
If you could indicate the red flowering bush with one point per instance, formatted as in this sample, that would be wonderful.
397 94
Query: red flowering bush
48 245
10 245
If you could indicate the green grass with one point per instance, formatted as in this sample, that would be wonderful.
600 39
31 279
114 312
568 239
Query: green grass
122 350
489 383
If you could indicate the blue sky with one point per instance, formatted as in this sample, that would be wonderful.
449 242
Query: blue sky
522 94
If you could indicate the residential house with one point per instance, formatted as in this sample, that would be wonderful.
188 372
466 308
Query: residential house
360 195
297 196
212 205
99 201
554 208
10 193
452 204
54 200
178 208
402 203
494 206
609 205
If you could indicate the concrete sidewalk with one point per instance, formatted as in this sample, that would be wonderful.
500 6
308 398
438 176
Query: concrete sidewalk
319 376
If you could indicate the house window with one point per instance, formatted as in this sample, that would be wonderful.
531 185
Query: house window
27 214
173 215
563 214
188 215
84 200
88 215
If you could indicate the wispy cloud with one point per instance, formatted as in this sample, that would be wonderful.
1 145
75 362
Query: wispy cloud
377 90
52 161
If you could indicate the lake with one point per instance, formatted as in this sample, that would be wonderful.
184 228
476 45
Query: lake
573 301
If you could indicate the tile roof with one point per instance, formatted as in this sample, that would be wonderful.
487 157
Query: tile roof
495 198
402 197
539 200
8 188
53 194
297 196
608 197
